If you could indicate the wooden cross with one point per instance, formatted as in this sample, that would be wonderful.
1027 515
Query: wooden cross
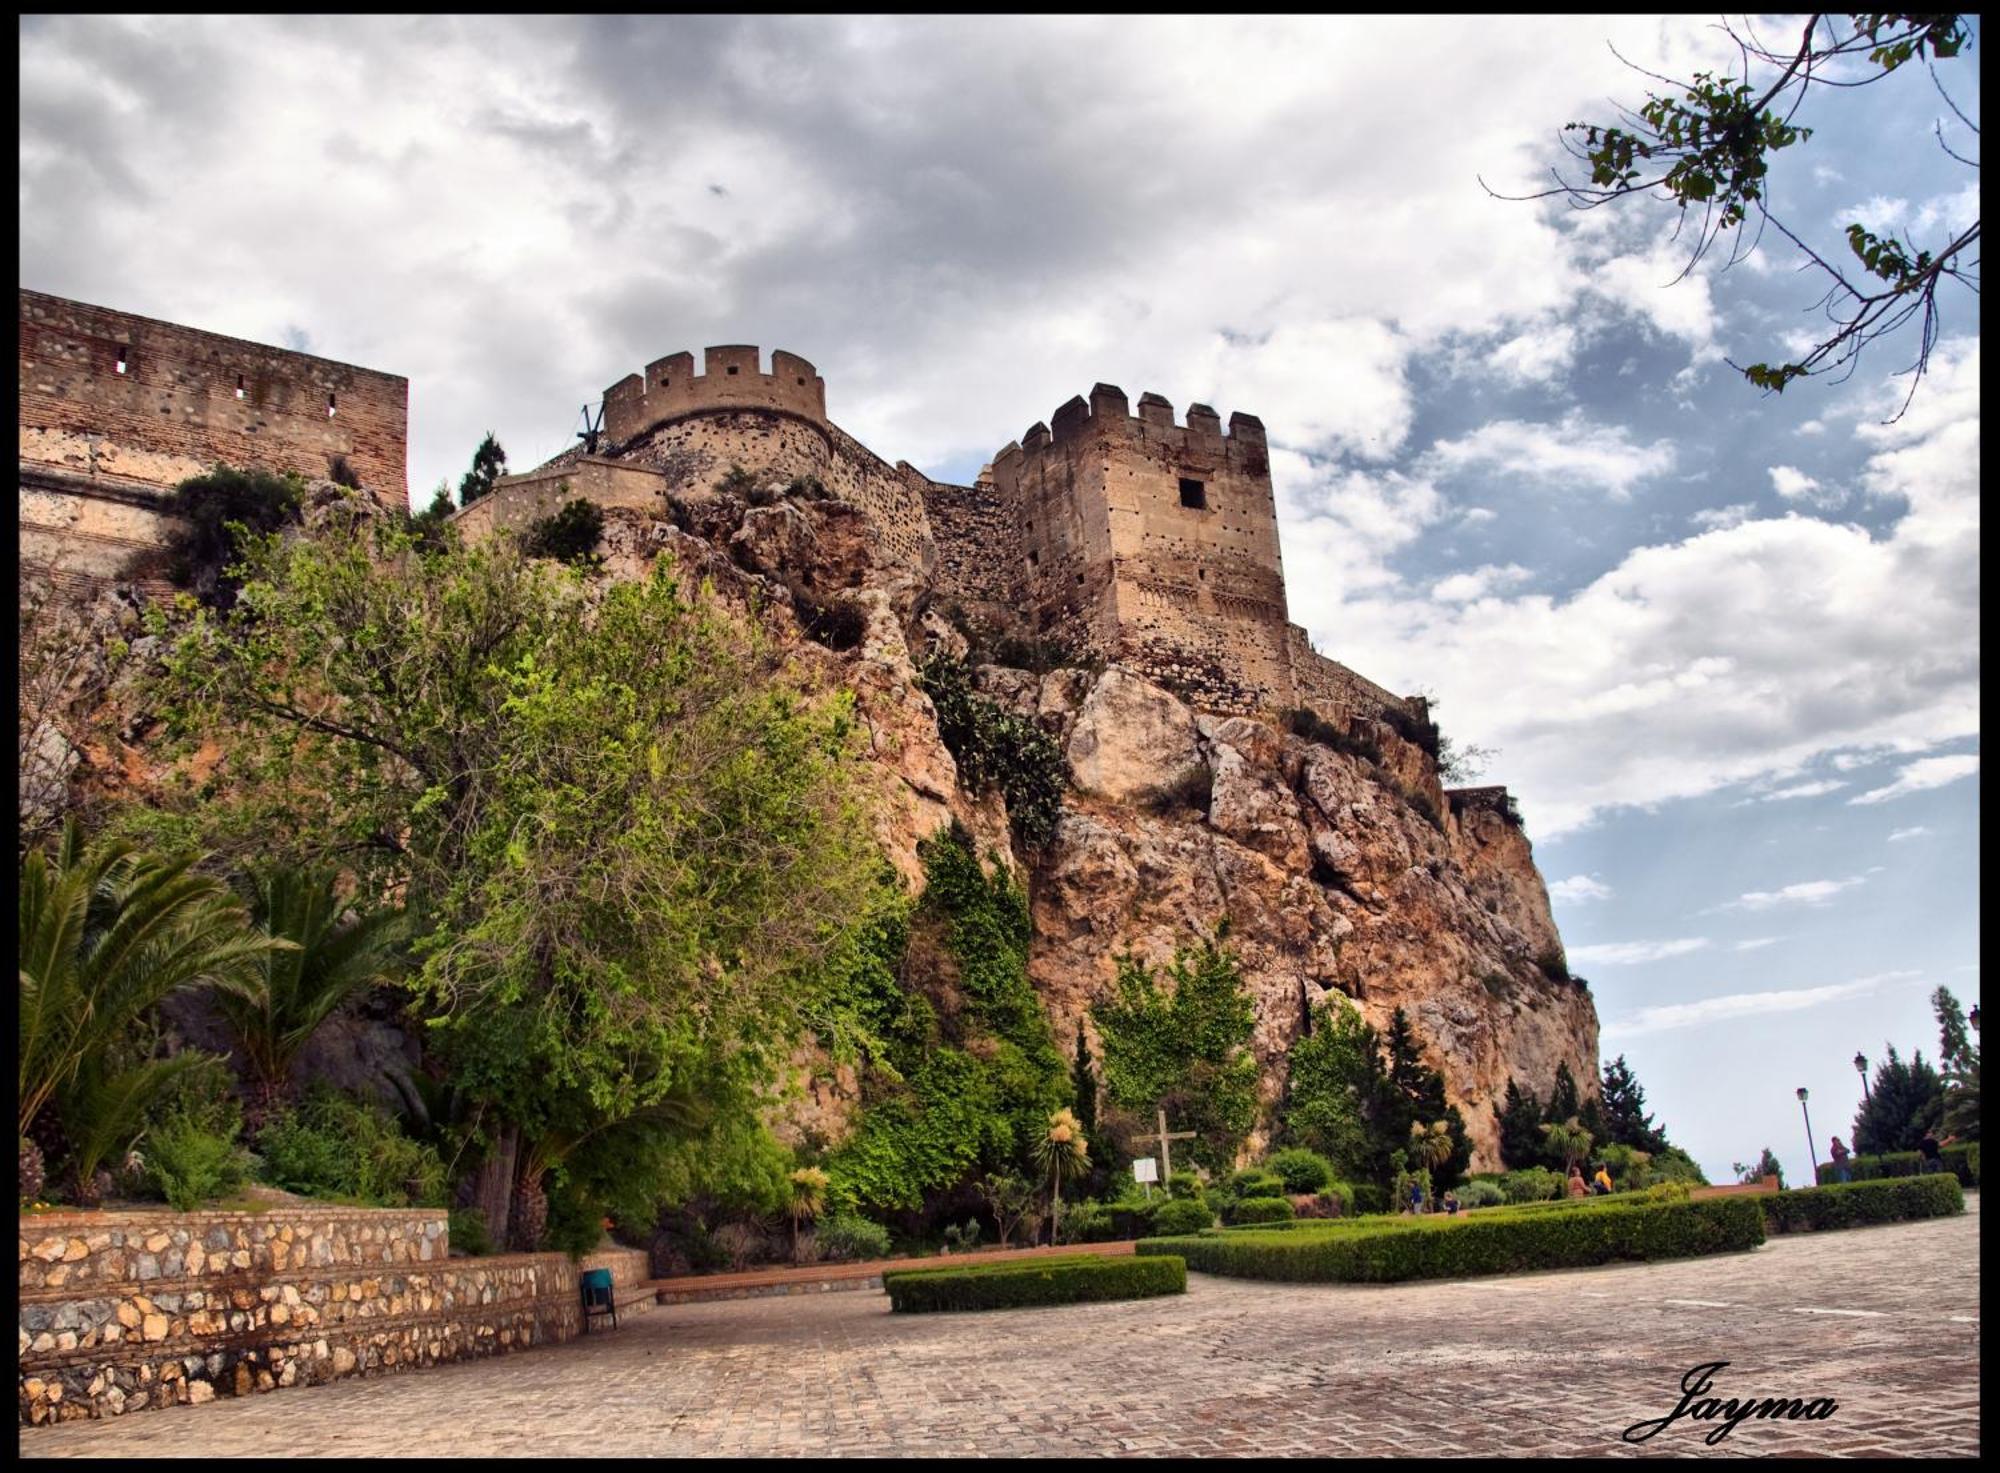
1166 1159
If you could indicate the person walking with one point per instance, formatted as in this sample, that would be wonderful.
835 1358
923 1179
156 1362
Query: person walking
1576 1184
1840 1153
1933 1159
1601 1183
1416 1196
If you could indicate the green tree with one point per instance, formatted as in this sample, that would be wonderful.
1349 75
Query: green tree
1419 1098
1083 1080
807 1199
1706 146
1342 1104
1626 1121
1767 1165
106 932
213 516
1566 1141
336 953
1060 1152
1906 1100
627 841
489 464
569 534
428 525
1520 1128
1186 1049
1563 1101
1959 1071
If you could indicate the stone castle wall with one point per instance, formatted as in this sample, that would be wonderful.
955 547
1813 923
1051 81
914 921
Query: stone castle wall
116 409
128 1310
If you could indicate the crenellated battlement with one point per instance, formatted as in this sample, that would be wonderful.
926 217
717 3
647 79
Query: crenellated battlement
731 378
1107 413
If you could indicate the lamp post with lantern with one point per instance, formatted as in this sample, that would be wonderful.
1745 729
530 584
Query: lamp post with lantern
1811 1149
1861 1068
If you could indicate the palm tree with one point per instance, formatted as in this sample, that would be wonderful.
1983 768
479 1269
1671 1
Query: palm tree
808 1199
276 1012
1568 1140
107 931
1431 1144
1061 1152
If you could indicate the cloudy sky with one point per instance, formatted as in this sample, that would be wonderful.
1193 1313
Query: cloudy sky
1722 646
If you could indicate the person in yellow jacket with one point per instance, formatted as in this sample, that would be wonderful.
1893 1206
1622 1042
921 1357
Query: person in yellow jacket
1601 1183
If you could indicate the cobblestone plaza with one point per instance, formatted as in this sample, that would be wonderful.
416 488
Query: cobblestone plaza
1883 1320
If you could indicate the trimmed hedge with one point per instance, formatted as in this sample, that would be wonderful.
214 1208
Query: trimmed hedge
1961 1160
1018 1283
1862 1203
1183 1216
1395 1249
1267 1209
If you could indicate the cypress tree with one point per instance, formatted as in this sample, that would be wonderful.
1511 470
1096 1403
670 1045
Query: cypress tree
1520 1128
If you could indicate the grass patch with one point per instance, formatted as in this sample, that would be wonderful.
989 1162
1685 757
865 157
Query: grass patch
1018 1283
1862 1203
1390 1250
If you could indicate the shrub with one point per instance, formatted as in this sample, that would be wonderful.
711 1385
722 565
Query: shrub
740 483
465 1230
1961 1160
837 623
1133 1216
847 1235
1370 1197
1342 1193
1535 1184
1301 1170
996 748
1262 1209
807 488
1254 1181
333 1146
1861 1203
1498 1242
569 534
1085 1222
191 1160
1015 1284
965 1237
1185 1186
1183 1216
1480 1194
199 552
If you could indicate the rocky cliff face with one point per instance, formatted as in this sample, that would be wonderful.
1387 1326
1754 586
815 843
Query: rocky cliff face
1335 873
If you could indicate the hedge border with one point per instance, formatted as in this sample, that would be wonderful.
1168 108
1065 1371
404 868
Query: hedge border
1863 1203
1020 1285
1961 1159
1438 1248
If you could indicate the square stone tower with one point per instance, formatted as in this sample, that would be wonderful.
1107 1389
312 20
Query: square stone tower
1155 544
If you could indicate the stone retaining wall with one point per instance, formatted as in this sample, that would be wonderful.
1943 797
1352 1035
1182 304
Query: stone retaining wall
126 1310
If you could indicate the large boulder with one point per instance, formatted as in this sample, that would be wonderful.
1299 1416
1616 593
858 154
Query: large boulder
1130 737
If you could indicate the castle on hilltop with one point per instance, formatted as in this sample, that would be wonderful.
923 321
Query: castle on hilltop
1132 537
1128 536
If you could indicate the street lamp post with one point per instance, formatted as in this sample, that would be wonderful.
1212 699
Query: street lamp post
1861 1068
1811 1149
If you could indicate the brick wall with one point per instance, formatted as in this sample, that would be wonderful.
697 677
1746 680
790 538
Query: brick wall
128 1310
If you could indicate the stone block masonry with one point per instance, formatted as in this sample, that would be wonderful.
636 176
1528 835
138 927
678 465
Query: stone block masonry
129 1310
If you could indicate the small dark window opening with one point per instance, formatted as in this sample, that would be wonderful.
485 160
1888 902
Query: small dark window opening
329 406
1031 526
1079 580
121 362
802 383
1201 573
1035 559
663 381
239 386
732 369
1194 494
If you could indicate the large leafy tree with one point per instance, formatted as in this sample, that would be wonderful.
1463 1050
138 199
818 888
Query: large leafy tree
1905 1101
1958 1055
1623 1111
1418 1094
213 515
1520 1127
1341 1102
489 464
1185 1049
625 839
1706 146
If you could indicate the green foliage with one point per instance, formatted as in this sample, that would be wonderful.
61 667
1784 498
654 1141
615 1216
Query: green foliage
1088 1221
331 1146
1520 1127
1342 1103
489 464
964 1237
428 527
1766 1165
1958 1069
334 955
1906 1100
1255 1181
996 748
1533 1184
1862 1203
847 1236
191 1153
1625 1119
465 1230
1566 1142
215 516
1185 1186
1342 1195
1181 1215
967 1083
1301 1170
569 534
742 484
1015 1284
1480 1194
1500 1240
1186 1050
1262 1209
1962 1161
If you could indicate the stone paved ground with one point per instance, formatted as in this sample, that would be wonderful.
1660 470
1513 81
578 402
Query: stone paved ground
1884 1320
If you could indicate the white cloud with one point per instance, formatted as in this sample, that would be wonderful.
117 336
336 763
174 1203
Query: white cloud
1571 453
1795 485
1717 518
1633 953
1536 356
1713 1010
1579 888
1805 892
1756 943
1918 777
1909 833
1473 515
1465 587
1802 790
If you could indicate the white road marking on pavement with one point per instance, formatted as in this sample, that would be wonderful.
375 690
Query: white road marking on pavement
1699 1303
1590 1294
1873 1314
1965 1319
